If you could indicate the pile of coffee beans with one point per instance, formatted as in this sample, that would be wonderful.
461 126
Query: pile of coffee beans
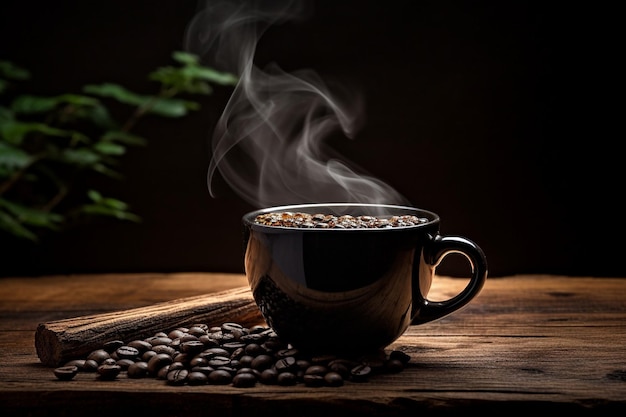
329 221
230 354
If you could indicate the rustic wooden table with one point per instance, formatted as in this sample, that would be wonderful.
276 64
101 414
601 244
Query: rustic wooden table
526 343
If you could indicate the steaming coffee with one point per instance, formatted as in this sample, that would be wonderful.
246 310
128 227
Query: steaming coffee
358 273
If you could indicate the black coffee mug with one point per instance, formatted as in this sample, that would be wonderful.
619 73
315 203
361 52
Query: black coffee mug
335 290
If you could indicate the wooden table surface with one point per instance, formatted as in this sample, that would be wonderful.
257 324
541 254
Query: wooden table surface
526 343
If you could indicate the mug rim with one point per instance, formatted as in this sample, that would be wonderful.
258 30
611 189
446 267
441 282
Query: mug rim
248 218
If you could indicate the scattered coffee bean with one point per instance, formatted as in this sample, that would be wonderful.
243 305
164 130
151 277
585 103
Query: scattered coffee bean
138 369
244 380
220 377
228 354
127 352
177 376
112 346
99 355
65 373
109 372
197 378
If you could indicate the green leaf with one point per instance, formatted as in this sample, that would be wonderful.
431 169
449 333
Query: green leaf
27 104
81 157
14 131
78 100
114 203
185 58
32 104
101 210
99 116
124 137
171 107
94 195
32 216
109 148
5 114
116 92
9 224
12 71
150 104
12 157
211 75
105 170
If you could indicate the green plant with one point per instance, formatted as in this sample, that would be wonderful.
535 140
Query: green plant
47 143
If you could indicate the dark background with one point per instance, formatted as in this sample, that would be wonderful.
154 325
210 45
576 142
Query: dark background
498 116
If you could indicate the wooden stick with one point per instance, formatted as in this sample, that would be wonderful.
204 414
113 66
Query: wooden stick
60 341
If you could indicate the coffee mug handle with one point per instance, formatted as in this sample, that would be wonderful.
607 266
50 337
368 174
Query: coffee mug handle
434 253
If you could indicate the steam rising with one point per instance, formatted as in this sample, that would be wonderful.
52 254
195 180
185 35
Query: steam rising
269 144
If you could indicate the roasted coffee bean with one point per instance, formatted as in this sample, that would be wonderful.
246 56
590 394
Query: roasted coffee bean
220 377
197 361
232 354
197 331
112 345
164 349
287 364
197 378
109 361
108 372
269 376
327 221
159 361
232 346
339 367
360 373
316 370
159 340
262 362
394 366
216 351
177 376
237 353
204 369
244 380
257 329
177 365
323 359
192 347
65 373
177 333
246 360
283 353
124 363
140 345
162 373
99 355
137 370
90 366
218 361
78 363
399 355
127 352
182 357
230 369
252 338
232 327
313 380
333 379
286 378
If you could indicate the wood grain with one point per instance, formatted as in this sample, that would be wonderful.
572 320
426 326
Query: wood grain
59 341
528 343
